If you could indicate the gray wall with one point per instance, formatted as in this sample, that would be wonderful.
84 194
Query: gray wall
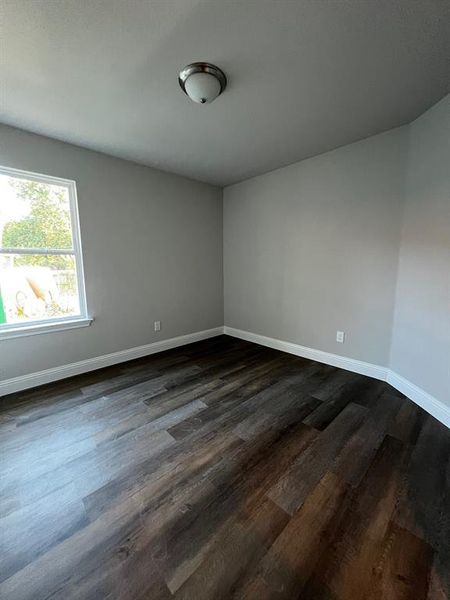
152 245
312 248
421 332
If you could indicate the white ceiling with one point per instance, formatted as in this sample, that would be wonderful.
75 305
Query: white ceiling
305 76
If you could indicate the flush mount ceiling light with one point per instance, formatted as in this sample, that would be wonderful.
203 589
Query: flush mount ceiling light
202 82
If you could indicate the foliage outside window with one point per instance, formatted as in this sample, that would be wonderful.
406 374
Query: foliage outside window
41 272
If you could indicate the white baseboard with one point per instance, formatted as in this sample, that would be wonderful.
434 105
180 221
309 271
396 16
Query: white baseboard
434 407
343 362
24 382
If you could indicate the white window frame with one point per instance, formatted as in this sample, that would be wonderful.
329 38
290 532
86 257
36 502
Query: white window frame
10 330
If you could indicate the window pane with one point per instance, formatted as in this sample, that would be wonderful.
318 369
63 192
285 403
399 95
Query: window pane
34 214
35 287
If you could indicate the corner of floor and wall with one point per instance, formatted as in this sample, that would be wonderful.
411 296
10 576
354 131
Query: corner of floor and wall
152 251
354 240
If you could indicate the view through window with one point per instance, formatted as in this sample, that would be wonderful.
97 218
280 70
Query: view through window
40 254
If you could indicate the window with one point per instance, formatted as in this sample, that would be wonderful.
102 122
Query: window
41 267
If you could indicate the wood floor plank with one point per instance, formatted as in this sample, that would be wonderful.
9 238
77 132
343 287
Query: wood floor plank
334 396
354 460
292 490
160 477
240 480
288 563
404 571
27 533
423 506
236 548
348 570
222 469
407 423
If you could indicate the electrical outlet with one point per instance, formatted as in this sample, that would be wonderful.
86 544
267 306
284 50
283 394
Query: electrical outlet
157 325
340 337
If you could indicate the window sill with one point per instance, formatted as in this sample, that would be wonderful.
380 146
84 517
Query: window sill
44 328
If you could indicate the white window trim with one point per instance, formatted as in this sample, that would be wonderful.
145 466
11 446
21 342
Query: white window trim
11 330
45 327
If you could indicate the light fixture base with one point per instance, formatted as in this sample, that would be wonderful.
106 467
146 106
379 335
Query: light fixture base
202 67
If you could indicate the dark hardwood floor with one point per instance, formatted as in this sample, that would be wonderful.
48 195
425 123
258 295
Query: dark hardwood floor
222 470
